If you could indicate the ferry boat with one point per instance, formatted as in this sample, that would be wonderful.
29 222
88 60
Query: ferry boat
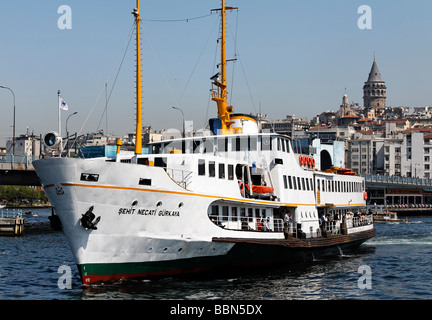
224 201
388 217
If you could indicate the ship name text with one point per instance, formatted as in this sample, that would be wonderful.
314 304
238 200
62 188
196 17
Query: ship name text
148 212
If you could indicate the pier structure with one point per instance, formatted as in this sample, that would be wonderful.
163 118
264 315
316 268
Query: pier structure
399 194
11 222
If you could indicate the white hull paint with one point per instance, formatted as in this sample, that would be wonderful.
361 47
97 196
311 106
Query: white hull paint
165 219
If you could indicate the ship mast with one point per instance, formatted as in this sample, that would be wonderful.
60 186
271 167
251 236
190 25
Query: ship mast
219 94
138 132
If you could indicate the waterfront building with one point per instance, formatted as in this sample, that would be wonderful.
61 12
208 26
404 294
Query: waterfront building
393 153
285 126
25 145
331 133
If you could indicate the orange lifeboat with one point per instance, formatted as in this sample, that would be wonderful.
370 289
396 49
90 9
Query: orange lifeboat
260 189
346 171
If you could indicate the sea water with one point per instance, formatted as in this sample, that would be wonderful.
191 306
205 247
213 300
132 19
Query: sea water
395 264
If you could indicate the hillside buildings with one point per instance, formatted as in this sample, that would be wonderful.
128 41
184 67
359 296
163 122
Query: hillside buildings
378 139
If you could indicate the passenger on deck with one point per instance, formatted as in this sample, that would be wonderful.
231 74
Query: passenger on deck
259 225
267 224
323 219
245 224
287 220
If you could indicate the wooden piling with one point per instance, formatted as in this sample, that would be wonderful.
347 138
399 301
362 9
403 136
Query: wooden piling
11 226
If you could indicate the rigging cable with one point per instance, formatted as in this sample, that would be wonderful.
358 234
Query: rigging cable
101 92
177 20
199 58
235 53
118 72
209 97
150 43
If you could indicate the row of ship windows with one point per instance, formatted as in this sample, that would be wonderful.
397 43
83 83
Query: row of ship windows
212 169
210 145
297 183
340 186
226 213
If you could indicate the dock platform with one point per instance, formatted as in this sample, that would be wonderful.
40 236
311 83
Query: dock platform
11 222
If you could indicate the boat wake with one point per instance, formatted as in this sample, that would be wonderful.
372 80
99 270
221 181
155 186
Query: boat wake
411 239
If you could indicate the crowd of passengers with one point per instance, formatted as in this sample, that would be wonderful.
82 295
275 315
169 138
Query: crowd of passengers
328 221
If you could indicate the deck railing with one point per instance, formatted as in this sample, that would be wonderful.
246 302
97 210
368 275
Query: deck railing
249 223
181 177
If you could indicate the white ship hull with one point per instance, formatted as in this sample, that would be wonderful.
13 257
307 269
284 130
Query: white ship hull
147 230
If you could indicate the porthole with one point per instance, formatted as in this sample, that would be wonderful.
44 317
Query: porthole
180 204
165 250
159 204
150 249
180 249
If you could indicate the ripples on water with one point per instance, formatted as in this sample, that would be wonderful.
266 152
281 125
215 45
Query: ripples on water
399 257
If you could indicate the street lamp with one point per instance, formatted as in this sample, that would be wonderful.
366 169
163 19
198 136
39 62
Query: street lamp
67 132
13 138
183 134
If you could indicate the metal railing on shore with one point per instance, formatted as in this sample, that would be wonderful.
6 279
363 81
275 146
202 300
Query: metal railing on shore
11 213
13 159
397 180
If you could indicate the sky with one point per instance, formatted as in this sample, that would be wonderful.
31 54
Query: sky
293 57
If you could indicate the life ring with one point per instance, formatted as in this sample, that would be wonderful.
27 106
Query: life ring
365 195
313 162
309 161
241 186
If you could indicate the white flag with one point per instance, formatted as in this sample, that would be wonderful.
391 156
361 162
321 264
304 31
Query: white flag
63 105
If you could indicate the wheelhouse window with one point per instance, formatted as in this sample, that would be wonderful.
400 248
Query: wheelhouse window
208 146
212 169
222 144
266 143
196 146
221 170
289 182
201 167
252 143
230 172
